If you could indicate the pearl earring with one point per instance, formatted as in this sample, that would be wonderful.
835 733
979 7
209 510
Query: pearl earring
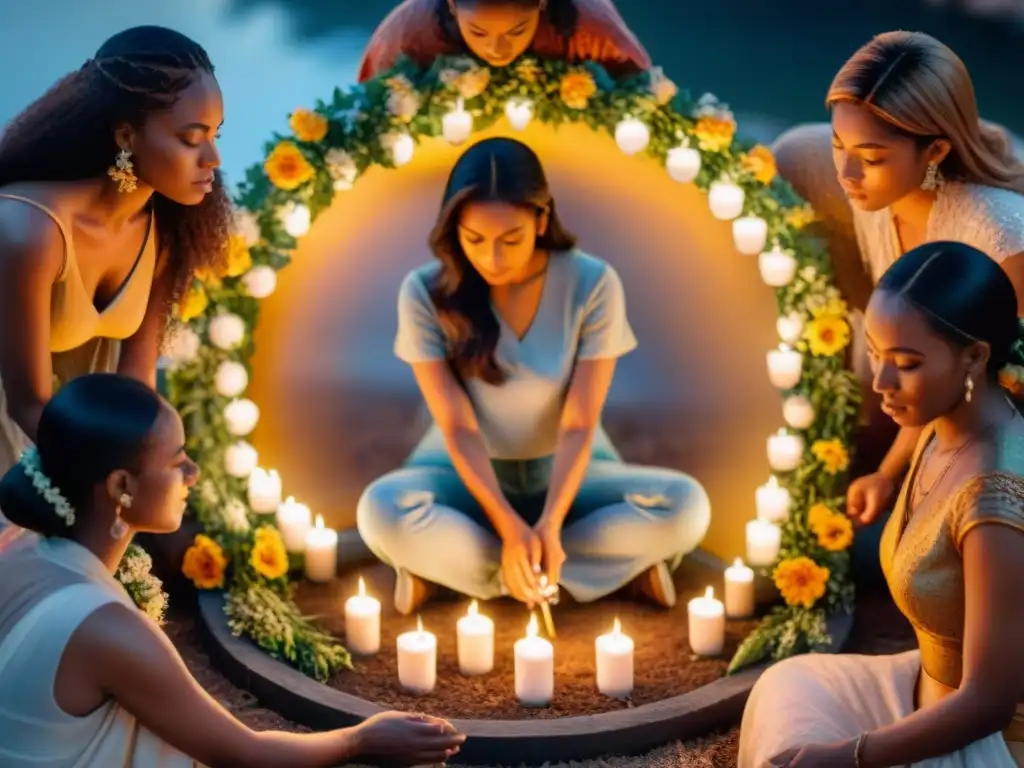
969 389
119 529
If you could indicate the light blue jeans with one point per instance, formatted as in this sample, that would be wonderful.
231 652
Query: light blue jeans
422 519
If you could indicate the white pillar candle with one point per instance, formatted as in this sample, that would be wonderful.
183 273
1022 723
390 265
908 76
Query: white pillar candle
750 233
321 552
763 541
294 520
798 411
297 219
457 125
241 416
534 668
417 660
785 451
264 491
707 624
362 623
683 164
475 642
739 590
773 501
725 200
240 459
632 135
777 267
519 113
402 149
785 367
790 328
615 662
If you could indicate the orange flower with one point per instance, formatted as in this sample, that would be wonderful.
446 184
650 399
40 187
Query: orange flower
760 162
801 581
714 133
835 533
269 558
831 453
286 167
308 125
817 515
577 88
1011 378
205 563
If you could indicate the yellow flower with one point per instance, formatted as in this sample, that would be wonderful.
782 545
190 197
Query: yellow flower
529 70
269 558
827 335
577 88
714 133
205 563
801 581
835 532
239 259
798 218
472 83
308 125
1011 378
831 453
760 162
817 515
286 167
194 304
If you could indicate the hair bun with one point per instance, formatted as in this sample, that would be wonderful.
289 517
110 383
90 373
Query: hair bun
25 507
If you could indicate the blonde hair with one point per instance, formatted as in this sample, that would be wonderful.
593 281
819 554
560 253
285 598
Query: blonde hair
922 88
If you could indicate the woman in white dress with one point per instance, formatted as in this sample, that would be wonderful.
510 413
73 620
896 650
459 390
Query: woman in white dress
910 162
942 327
87 679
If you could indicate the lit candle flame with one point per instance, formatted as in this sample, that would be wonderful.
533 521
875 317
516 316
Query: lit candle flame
472 609
290 501
782 432
532 629
773 482
459 106
320 522
709 593
362 587
419 623
617 627
738 562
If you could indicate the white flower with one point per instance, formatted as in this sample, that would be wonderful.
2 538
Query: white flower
709 106
448 75
236 516
260 281
231 379
241 417
246 225
180 345
342 168
404 105
295 217
227 330
209 494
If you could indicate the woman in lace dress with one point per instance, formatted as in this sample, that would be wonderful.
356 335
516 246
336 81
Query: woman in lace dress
909 162
500 31
942 330
87 679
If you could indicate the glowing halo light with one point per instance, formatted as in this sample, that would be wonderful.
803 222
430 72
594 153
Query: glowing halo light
687 142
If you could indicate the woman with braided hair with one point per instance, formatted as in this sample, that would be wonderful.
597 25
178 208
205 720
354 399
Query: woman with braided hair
110 200
947 355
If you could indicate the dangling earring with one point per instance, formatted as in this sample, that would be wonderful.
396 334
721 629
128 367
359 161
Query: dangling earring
969 389
119 529
932 178
122 171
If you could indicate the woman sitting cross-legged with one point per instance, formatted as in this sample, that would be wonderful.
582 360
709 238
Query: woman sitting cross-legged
513 337
86 678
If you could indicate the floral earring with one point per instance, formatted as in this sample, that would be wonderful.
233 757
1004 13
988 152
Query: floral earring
123 172
969 389
120 529
932 178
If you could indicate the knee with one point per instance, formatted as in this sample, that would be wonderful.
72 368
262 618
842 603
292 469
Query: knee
377 513
689 511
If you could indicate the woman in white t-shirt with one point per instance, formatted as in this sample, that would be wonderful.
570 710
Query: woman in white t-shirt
87 679
513 336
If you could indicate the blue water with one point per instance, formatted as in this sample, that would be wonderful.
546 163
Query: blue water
771 61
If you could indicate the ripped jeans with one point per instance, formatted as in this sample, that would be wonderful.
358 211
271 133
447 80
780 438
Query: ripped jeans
625 519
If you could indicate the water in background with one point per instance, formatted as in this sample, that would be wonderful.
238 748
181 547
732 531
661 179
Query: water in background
771 62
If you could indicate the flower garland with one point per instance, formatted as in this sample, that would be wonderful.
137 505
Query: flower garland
380 123
134 573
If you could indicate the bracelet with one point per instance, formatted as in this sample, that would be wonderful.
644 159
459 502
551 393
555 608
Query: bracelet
858 748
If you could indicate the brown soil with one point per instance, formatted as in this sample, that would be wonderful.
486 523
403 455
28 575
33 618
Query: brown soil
663 663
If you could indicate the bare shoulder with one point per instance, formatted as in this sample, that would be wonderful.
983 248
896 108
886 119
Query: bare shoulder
30 240
118 635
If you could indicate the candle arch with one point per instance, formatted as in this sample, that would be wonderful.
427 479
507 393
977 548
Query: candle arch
378 123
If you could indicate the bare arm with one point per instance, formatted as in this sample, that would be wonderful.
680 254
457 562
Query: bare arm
140 351
1014 268
581 414
129 659
453 413
993 677
31 257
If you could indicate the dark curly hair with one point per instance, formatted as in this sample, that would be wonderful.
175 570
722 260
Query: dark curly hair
496 169
563 15
68 135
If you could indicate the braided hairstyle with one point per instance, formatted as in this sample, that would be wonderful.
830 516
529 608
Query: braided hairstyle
68 135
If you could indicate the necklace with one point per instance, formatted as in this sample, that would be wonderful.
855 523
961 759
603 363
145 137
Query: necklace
919 494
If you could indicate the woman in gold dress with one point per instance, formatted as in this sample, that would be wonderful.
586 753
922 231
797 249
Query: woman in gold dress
945 346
